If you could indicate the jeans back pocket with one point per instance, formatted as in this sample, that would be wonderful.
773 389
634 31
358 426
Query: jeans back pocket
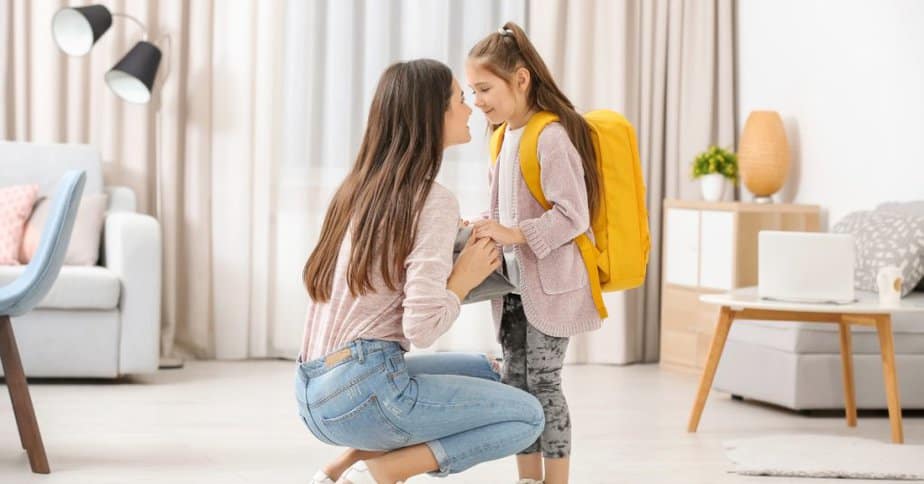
365 427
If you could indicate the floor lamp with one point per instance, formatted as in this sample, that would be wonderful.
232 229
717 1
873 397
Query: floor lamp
77 29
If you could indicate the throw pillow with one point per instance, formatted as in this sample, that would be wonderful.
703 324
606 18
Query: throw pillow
88 228
15 206
886 238
915 208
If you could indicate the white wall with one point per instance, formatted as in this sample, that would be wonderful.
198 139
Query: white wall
848 79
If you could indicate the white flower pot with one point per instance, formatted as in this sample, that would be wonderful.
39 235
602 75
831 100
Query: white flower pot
712 186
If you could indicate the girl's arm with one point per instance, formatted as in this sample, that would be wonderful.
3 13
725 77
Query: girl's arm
429 307
562 178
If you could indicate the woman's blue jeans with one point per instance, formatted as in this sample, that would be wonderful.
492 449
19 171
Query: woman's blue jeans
369 396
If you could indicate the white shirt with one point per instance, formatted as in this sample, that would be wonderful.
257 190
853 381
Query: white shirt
508 170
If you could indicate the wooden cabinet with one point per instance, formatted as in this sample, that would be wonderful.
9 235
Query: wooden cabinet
711 247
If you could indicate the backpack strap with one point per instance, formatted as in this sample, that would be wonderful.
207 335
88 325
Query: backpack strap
530 168
497 139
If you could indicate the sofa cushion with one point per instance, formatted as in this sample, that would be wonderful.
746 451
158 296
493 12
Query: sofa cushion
886 239
45 164
915 208
799 337
77 287
83 249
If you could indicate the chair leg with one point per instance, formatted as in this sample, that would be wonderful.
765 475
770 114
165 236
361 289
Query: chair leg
29 434
20 416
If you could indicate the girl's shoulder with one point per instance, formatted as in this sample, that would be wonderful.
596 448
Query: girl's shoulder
554 138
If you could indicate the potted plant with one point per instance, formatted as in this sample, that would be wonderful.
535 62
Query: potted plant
713 167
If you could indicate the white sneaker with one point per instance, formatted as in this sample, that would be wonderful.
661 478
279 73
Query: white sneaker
529 481
321 478
358 473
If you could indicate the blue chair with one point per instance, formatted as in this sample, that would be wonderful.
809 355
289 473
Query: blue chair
23 294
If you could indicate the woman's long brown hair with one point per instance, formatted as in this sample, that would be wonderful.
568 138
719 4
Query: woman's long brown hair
382 196
502 54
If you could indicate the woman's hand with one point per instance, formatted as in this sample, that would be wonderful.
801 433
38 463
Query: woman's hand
478 259
500 234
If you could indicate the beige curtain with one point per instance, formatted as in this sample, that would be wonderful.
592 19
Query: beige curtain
335 52
668 65
218 112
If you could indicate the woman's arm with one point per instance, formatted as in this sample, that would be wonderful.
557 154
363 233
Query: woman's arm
429 306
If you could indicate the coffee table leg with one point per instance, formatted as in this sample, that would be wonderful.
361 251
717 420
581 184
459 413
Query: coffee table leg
850 393
887 348
712 362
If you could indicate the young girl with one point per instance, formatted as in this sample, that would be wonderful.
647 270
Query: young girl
510 83
380 279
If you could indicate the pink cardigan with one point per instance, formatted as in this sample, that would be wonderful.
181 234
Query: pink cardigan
553 280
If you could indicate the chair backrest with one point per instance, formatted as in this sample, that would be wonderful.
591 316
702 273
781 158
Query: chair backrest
45 163
21 295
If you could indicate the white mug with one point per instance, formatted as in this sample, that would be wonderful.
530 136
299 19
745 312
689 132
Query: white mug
889 280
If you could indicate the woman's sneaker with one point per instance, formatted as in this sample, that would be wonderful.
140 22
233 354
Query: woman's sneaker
358 473
321 478
528 481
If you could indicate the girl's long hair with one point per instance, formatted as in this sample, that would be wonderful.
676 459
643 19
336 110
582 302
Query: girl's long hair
382 196
502 54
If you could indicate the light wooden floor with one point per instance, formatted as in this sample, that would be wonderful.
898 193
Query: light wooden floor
235 422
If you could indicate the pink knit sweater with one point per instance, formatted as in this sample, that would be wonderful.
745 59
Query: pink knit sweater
418 313
553 280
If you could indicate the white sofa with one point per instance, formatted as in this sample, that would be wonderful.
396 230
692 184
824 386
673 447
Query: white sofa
101 321
798 365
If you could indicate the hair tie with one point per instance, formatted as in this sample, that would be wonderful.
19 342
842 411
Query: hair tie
504 32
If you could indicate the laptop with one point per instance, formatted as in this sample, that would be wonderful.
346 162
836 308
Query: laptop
807 267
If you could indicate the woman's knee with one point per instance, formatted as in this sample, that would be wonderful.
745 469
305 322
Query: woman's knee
536 418
535 414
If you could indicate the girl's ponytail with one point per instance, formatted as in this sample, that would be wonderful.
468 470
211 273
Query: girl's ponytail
508 49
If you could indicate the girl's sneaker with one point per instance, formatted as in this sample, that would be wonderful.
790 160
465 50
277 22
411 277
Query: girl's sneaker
528 481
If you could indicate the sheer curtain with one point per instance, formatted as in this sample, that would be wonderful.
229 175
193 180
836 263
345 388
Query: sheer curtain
263 113
668 66
334 53
220 121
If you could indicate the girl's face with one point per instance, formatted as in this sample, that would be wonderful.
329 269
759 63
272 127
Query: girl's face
455 123
499 100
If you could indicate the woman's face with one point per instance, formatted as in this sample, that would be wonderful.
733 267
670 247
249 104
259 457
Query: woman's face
455 123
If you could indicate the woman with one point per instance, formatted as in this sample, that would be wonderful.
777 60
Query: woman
380 279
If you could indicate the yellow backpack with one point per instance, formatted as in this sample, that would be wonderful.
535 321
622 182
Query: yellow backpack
620 257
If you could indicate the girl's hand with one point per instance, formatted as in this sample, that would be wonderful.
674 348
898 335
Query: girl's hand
500 234
478 259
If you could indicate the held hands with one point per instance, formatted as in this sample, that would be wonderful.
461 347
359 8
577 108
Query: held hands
500 234
478 259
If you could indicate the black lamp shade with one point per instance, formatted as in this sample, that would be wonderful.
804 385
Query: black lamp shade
132 79
76 29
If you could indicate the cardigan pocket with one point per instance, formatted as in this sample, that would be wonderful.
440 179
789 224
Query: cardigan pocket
562 270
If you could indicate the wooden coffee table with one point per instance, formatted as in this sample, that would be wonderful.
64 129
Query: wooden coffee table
743 304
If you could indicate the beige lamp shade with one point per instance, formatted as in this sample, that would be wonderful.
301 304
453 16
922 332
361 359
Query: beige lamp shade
763 154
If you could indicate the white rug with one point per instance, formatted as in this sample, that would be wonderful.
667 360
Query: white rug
825 456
